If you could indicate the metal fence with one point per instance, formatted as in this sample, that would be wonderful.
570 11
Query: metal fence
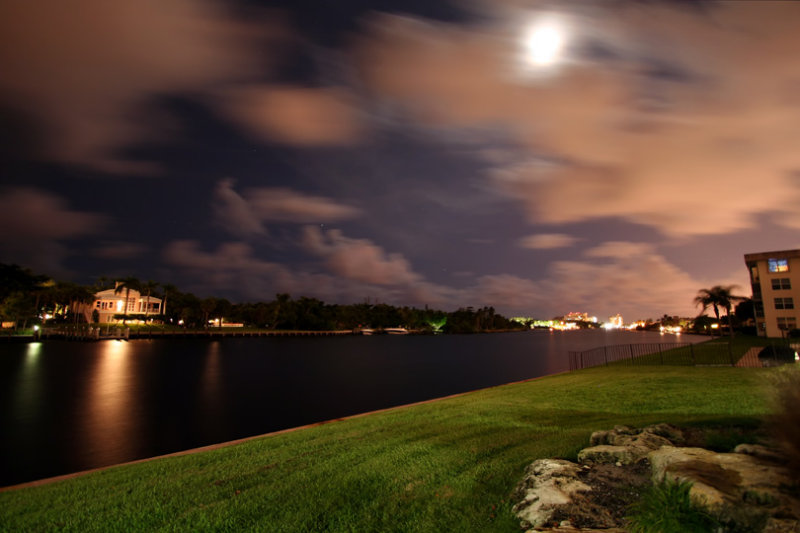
673 353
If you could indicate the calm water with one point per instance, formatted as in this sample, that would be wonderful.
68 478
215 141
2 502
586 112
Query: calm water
71 406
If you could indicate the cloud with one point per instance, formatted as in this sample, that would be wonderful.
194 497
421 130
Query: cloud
358 259
87 70
671 126
231 267
119 250
245 214
233 212
35 224
294 115
545 241
614 277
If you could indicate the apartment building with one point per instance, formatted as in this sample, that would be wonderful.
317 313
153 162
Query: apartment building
775 280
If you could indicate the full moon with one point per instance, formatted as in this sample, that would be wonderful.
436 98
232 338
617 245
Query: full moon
544 44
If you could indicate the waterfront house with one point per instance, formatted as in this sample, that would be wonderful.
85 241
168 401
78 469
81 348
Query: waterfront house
109 303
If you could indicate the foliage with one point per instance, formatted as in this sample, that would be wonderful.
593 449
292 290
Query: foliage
448 465
665 507
716 297
784 425
36 295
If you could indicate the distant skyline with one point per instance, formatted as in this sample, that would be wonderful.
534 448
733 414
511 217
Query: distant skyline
539 157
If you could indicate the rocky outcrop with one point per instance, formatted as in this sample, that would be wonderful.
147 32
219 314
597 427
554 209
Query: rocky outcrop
553 493
548 483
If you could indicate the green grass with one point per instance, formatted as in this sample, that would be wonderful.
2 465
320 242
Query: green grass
716 352
667 508
449 465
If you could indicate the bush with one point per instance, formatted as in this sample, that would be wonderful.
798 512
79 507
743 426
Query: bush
784 424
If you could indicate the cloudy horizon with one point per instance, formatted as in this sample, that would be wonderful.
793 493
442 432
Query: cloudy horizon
538 157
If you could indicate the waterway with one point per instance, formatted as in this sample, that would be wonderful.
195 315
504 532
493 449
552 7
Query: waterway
71 406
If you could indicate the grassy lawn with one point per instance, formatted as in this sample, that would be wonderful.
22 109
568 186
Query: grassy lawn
448 465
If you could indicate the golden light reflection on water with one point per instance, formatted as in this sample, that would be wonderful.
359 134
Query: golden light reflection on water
28 393
108 428
211 389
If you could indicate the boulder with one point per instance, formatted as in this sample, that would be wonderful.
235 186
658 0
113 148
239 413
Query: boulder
547 483
719 478
607 454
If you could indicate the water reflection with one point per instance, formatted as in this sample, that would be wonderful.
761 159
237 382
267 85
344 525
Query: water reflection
29 389
211 388
109 428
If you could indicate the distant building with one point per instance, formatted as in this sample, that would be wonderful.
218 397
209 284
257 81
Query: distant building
615 321
579 317
109 303
775 280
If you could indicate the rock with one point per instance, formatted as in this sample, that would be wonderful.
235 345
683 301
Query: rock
651 437
762 452
719 478
748 487
668 431
547 483
606 454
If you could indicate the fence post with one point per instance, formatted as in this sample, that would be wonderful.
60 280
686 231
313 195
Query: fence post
630 347
730 353
660 354
605 353
691 351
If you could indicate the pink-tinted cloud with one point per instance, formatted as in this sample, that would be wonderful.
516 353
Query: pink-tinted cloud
246 213
232 266
233 212
680 151
119 250
294 115
545 241
358 259
86 69
614 277
35 226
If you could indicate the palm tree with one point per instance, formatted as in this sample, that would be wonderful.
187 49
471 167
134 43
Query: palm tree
148 286
169 288
716 297
126 284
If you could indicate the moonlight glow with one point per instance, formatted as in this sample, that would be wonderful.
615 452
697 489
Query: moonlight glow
544 43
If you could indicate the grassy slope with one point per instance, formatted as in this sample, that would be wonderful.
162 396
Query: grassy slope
444 466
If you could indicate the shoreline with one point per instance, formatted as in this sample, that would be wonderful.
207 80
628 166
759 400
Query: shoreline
212 447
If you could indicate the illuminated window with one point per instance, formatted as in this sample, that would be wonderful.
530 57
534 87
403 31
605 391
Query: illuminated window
781 283
787 322
778 265
784 303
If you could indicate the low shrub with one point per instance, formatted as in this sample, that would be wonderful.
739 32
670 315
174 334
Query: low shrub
666 507
784 424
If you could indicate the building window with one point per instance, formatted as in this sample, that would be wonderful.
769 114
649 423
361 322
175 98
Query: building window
784 303
781 284
778 265
787 322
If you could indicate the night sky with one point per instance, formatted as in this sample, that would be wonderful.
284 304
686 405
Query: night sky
541 157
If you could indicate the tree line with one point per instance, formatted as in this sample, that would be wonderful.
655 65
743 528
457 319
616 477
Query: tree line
28 299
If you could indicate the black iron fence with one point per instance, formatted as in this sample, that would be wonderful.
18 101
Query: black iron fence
662 353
